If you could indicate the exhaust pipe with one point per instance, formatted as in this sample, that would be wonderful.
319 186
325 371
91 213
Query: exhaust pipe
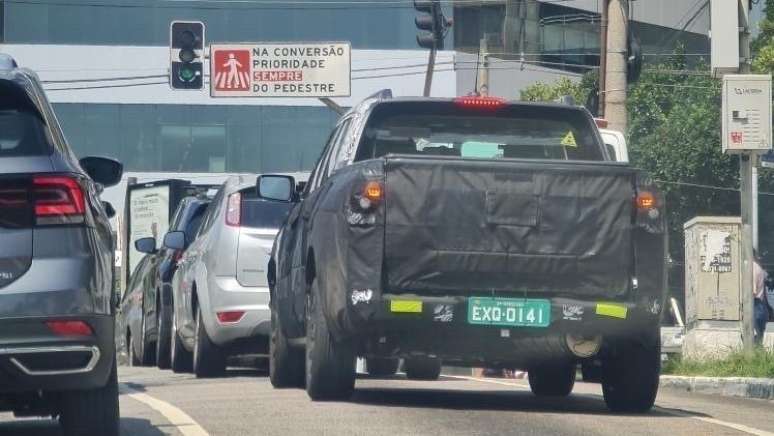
583 346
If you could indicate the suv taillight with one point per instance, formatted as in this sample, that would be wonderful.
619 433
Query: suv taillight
234 210
58 200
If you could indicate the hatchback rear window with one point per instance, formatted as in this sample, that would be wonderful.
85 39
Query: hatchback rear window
513 131
264 214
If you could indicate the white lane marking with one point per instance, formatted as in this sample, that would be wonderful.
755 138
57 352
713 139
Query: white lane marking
179 419
731 425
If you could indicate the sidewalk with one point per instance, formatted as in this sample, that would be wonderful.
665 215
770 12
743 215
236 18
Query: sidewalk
745 387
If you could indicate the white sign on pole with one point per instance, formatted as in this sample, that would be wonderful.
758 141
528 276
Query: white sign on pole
275 69
746 109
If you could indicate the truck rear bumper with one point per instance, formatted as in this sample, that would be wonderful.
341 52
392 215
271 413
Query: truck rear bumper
33 358
440 327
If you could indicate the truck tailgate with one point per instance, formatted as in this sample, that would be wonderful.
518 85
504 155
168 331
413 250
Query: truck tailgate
526 227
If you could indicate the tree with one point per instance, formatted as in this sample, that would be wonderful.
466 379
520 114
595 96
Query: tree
763 44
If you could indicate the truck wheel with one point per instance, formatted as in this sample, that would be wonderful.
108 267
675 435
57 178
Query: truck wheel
555 380
208 359
163 342
330 365
422 368
630 376
180 359
286 364
91 412
382 367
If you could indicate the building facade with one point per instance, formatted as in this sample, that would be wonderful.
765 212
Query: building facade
104 65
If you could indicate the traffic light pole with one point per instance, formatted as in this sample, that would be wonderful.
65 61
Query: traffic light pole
429 74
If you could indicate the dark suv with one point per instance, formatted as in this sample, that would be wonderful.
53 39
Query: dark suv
57 354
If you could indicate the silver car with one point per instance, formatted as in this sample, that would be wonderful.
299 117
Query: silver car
221 294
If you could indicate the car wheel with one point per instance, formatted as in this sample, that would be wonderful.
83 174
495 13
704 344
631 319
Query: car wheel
330 365
180 359
286 364
130 347
552 380
630 376
208 358
91 412
163 342
422 368
146 357
382 367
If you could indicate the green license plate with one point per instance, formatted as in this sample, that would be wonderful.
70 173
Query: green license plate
511 312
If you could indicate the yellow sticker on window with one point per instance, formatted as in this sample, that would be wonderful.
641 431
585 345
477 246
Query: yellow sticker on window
612 309
406 306
569 140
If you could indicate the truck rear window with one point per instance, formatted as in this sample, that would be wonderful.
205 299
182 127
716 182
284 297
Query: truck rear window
514 131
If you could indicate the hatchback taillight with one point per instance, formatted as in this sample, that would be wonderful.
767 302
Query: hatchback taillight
58 200
234 210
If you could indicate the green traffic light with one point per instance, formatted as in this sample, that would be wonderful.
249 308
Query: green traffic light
186 74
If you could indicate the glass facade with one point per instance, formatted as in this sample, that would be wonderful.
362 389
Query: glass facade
146 22
555 35
183 138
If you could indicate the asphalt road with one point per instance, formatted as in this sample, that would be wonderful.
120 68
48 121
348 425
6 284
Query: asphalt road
157 402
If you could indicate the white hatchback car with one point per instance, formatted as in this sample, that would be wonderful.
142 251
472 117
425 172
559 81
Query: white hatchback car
221 294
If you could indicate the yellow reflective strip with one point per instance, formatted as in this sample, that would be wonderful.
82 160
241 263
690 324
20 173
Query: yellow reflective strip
612 309
406 306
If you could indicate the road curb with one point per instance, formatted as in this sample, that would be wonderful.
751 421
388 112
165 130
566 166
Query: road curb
745 387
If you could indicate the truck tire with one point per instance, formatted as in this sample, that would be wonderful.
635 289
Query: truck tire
630 376
591 371
555 380
208 359
286 364
163 342
381 367
180 359
422 368
92 412
330 365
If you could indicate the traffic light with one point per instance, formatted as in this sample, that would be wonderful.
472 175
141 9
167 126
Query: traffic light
186 55
432 23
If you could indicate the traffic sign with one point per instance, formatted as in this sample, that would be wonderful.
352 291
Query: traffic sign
274 69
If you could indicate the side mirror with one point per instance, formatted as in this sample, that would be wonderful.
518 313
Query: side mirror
109 209
276 187
146 245
174 240
107 172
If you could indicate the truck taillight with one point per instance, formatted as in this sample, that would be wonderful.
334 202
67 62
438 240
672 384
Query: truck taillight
58 200
234 210
480 103
370 196
649 207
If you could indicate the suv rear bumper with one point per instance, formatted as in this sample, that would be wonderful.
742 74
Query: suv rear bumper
33 358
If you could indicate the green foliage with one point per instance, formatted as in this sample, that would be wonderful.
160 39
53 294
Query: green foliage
549 92
759 363
763 45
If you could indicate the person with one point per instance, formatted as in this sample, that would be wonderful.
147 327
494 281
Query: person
760 306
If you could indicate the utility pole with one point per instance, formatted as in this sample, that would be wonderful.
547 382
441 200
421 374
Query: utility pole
602 57
747 164
483 68
429 73
614 94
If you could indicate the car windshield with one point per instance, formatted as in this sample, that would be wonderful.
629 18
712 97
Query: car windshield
442 128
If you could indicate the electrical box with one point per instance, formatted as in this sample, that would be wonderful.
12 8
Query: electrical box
724 36
746 113
712 269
